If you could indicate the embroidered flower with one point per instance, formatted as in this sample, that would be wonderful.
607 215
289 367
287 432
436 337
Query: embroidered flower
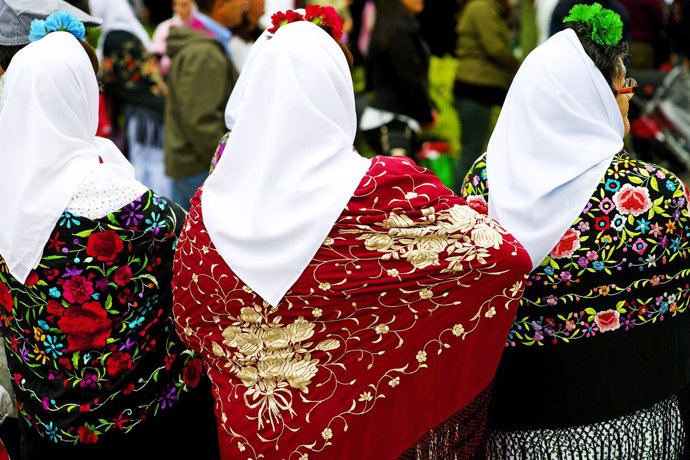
86 327
602 223
118 363
478 203
6 300
78 290
618 223
122 275
606 206
570 242
104 246
639 246
608 320
458 330
327 434
191 373
632 200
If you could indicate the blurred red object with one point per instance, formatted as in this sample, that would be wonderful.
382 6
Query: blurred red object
105 126
433 150
3 452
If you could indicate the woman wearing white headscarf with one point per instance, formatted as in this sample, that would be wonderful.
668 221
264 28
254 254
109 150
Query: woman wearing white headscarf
134 88
85 270
345 307
597 363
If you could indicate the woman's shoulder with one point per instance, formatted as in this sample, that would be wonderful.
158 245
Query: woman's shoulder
650 178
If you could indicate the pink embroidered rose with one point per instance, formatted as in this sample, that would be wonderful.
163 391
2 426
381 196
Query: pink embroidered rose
632 200
686 194
78 290
478 203
568 245
608 320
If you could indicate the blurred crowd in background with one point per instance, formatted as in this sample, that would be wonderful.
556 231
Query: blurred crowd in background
430 76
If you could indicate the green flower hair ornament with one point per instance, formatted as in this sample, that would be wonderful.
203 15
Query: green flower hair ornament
607 27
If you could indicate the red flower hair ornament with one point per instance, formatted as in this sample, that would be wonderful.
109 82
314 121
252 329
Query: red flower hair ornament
322 16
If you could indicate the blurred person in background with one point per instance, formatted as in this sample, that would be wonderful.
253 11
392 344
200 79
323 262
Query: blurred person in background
134 89
437 26
201 79
398 76
244 35
183 10
486 65
544 12
679 30
646 25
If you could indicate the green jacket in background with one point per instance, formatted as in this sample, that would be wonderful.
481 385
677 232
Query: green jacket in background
484 54
200 80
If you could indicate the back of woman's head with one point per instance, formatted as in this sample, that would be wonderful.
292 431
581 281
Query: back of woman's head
56 77
600 32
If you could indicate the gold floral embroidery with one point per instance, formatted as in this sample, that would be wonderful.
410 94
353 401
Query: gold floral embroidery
461 233
271 359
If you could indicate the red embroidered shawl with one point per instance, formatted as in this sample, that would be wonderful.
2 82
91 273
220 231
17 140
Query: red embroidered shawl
397 324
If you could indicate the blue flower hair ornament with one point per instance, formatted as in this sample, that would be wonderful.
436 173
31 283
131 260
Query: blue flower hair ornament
57 21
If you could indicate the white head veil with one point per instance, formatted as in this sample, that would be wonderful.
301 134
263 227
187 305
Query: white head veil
557 134
49 144
290 167
118 15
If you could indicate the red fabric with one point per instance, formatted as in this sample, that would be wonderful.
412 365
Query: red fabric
408 268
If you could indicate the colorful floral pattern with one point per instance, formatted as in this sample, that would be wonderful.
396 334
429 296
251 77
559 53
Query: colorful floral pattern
91 345
128 68
622 264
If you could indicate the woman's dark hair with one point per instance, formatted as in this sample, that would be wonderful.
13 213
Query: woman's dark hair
607 58
91 53
205 6
347 53
7 53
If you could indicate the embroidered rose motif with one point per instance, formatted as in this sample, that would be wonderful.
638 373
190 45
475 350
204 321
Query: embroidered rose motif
632 200
478 203
86 327
191 373
568 245
6 300
117 363
78 290
54 308
486 237
104 246
378 242
461 219
86 436
32 279
122 275
608 320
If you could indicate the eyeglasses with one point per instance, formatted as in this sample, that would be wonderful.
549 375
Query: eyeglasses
630 87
